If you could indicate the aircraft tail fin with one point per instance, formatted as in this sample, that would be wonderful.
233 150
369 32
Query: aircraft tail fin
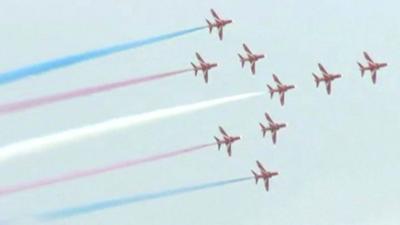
210 26
241 60
195 69
316 79
271 90
263 129
362 69
255 176
218 142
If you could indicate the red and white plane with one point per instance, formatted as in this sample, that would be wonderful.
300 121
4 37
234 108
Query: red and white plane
226 140
264 174
281 89
326 77
273 127
203 66
251 58
218 24
372 66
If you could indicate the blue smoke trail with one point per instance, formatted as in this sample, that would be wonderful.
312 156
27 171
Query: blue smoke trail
97 206
57 63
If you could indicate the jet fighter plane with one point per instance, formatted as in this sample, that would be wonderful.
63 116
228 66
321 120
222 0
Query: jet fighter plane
273 127
281 89
203 66
326 77
218 24
226 140
251 58
264 174
372 66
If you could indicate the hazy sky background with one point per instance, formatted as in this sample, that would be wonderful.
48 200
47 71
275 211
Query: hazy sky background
338 159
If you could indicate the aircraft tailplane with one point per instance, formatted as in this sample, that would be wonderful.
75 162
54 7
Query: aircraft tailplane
195 69
362 69
263 129
255 176
210 26
317 80
242 60
218 142
271 90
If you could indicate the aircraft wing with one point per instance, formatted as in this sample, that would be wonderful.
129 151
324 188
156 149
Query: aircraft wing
367 57
221 33
247 49
328 87
199 57
230 150
374 76
266 182
260 166
253 67
206 76
274 137
223 131
215 15
321 67
276 79
268 117
282 98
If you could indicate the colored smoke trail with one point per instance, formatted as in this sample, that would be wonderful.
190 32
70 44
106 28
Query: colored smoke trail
35 102
99 170
40 144
57 63
97 206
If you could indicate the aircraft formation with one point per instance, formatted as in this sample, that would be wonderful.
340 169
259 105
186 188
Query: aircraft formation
273 127
268 127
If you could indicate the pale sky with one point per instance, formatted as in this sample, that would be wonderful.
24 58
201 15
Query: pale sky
338 158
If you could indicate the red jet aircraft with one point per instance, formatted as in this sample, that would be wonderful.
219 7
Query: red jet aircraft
203 66
226 140
218 23
273 127
281 89
251 58
264 174
326 77
372 66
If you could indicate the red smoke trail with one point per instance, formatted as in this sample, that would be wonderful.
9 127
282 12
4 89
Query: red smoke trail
95 171
35 102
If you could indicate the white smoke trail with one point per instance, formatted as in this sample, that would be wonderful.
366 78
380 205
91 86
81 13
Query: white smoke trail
40 144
